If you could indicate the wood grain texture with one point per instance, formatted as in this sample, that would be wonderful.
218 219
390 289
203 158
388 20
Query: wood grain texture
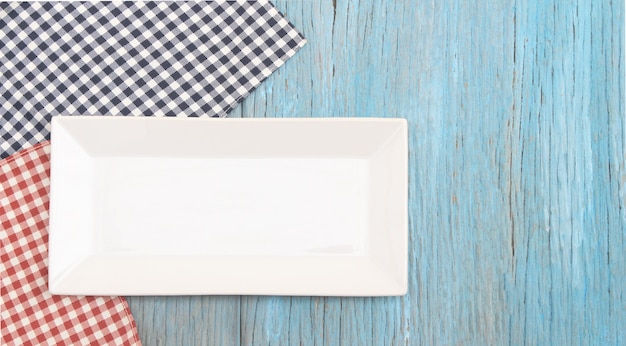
517 175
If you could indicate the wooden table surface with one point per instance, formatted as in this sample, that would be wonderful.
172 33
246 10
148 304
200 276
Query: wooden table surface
517 211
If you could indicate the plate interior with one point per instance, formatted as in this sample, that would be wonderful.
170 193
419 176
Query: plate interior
248 205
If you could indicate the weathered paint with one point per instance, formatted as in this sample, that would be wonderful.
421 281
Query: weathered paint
517 175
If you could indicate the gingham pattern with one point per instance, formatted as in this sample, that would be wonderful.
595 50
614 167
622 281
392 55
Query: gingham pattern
132 58
31 315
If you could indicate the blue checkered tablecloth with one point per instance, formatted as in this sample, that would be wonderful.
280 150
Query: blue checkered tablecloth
132 58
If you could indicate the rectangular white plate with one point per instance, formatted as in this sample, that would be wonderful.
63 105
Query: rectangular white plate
174 206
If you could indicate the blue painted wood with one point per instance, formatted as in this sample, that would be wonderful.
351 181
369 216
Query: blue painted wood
517 175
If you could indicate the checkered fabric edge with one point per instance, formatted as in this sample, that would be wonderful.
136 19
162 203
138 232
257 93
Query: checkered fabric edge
132 58
30 314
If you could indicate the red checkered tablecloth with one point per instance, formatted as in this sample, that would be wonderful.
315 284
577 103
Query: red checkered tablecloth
31 315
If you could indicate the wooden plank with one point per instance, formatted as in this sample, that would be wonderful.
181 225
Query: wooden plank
265 325
564 225
187 320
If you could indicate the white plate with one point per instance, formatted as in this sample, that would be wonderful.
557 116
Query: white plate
172 206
